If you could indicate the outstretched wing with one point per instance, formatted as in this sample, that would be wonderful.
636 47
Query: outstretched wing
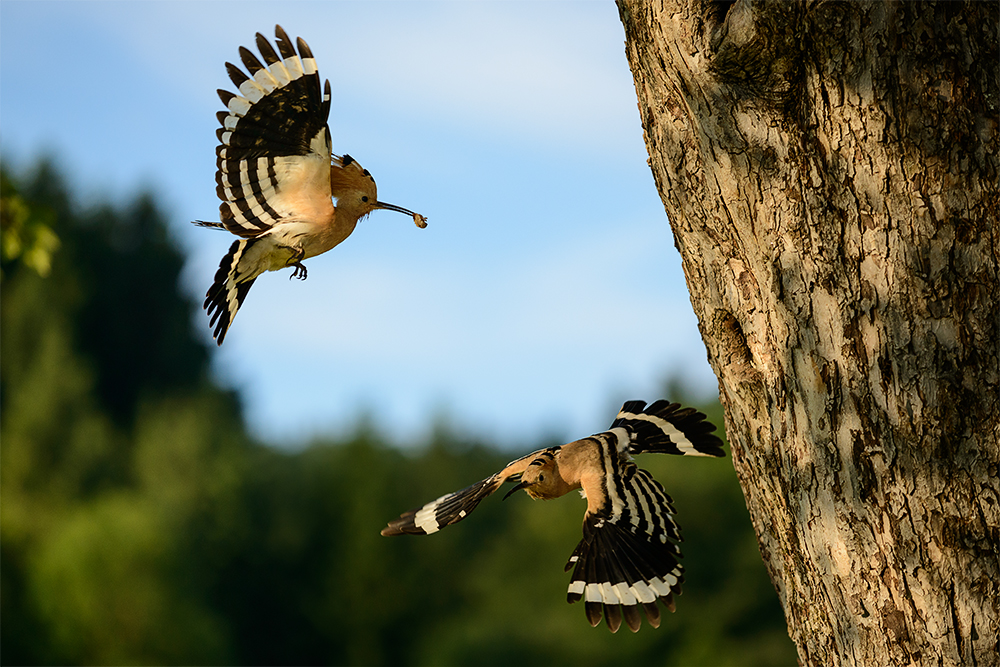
453 507
274 144
444 511
626 559
667 428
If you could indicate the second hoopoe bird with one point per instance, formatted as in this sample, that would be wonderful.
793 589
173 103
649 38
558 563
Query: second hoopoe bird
627 558
277 175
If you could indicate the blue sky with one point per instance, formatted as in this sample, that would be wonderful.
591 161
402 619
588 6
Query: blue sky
546 287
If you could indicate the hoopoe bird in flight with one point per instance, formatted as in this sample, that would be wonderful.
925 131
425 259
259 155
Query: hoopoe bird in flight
277 175
626 559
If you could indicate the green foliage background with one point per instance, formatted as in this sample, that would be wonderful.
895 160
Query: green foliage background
141 524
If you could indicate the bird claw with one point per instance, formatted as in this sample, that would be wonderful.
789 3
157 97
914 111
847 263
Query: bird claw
299 272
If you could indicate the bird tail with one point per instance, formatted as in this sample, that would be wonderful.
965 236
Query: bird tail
209 224
616 571
232 283
667 428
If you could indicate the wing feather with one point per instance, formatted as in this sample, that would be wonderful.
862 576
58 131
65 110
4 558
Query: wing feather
453 507
444 511
667 428
274 143
616 566
628 557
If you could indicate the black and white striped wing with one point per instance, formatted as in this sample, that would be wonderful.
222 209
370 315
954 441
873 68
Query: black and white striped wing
453 507
446 510
667 428
627 559
274 144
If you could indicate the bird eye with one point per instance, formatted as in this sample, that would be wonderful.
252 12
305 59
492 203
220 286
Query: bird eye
541 478
364 198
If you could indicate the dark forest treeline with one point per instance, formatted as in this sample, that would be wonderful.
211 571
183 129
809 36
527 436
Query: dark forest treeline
141 524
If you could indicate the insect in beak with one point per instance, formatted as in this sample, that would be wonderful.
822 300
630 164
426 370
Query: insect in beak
420 220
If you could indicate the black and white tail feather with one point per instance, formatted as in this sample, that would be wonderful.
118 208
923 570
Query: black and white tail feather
229 289
628 558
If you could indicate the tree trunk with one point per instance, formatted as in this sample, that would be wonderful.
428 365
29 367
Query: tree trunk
830 171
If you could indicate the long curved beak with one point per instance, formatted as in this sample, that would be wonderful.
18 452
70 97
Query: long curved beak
516 488
420 220
393 207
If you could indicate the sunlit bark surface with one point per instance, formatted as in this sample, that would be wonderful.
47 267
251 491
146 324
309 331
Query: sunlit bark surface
830 172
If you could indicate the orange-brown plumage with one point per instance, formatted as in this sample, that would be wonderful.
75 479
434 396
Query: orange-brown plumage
627 558
277 176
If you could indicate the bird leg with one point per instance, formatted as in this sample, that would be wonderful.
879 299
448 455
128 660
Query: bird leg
300 269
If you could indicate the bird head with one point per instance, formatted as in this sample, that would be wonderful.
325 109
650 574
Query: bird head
541 479
356 193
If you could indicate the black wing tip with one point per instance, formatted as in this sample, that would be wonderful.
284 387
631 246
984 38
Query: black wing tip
594 611
250 60
633 619
218 320
402 526
652 613
225 96
304 50
285 47
613 617
614 614
266 50
236 75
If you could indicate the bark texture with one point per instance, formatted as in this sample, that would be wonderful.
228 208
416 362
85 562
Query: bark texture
830 171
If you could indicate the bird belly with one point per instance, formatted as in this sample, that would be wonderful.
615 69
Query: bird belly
329 237
294 241
267 254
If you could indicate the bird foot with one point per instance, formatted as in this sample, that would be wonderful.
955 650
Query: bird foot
299 272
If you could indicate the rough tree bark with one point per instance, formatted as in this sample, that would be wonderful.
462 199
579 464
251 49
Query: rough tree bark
830 171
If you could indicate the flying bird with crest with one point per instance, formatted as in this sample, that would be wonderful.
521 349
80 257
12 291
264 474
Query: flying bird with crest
627 559
277 174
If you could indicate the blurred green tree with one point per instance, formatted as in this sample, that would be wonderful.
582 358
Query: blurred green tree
102 335
25 233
